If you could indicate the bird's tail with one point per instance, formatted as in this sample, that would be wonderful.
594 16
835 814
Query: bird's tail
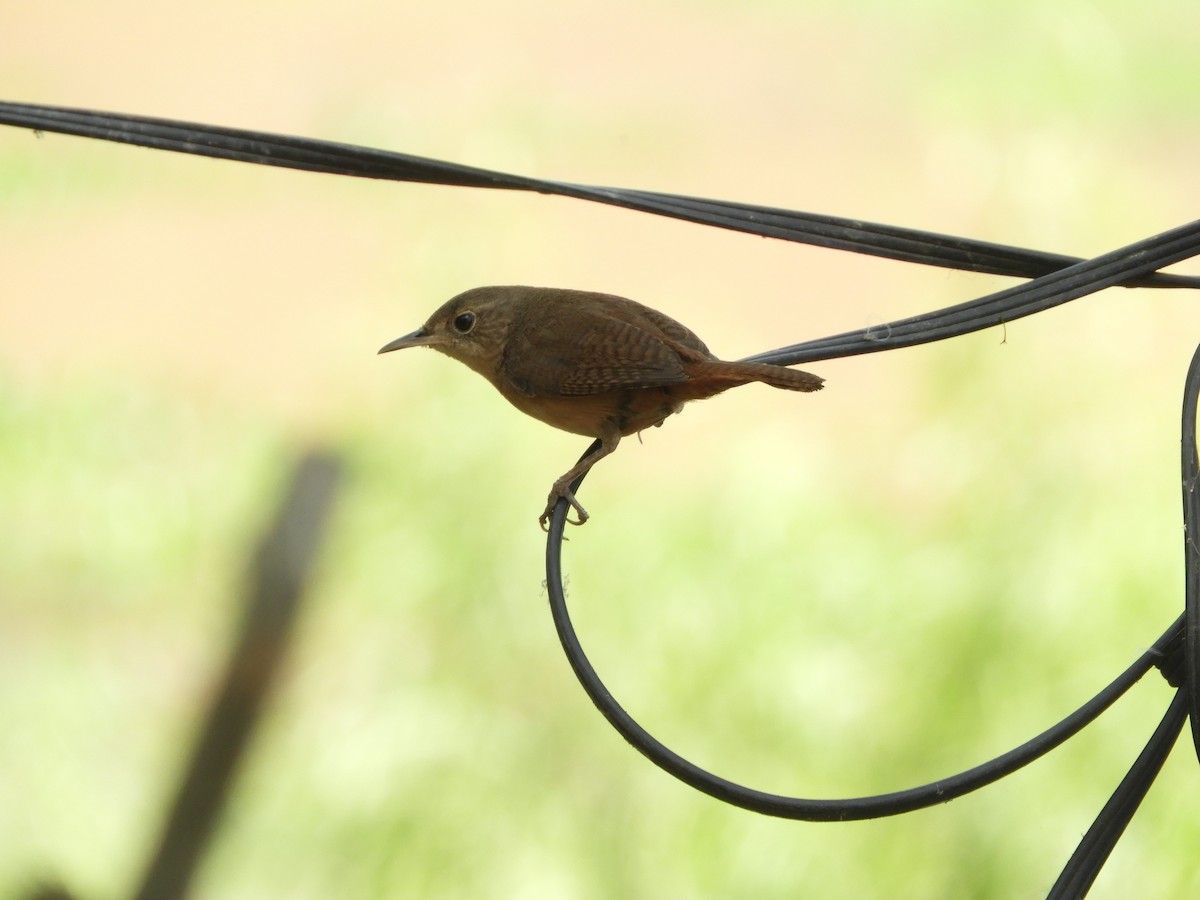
736 373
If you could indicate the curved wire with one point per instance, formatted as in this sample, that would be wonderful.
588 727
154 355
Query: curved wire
1056 288
816 810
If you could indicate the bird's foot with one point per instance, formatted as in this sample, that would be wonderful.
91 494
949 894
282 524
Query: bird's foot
562 492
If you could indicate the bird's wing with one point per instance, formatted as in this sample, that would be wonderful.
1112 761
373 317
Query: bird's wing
660 323
588 351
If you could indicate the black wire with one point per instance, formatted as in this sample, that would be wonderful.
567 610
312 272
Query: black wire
1097 845
308 154
1190 478
1036 296
814 810
909 244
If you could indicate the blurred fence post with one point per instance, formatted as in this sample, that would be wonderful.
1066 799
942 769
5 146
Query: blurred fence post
278 574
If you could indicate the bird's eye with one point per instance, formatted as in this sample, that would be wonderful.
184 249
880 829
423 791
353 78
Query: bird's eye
464 322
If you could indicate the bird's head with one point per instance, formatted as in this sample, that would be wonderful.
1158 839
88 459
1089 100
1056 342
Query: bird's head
472 327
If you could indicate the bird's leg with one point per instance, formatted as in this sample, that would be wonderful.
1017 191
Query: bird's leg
562 487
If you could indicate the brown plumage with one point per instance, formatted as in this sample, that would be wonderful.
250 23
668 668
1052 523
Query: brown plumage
588 363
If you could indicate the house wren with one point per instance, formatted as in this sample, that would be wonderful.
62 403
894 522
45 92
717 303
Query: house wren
588 363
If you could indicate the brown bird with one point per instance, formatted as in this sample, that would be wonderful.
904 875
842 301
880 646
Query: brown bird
588 363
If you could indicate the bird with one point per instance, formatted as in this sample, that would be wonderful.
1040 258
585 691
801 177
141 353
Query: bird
587 363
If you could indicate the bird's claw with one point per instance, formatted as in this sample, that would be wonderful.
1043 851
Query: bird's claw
561 494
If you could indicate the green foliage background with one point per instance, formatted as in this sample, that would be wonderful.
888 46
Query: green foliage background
937 557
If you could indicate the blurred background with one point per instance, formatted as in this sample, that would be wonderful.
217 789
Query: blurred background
938 556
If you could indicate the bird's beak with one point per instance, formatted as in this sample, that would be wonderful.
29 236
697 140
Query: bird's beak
419 338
